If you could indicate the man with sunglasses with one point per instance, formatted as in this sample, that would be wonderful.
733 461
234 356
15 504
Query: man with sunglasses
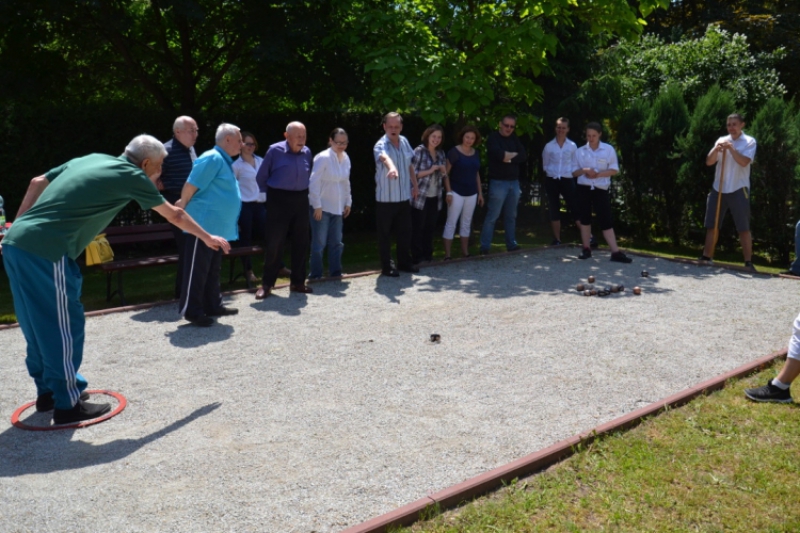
506 155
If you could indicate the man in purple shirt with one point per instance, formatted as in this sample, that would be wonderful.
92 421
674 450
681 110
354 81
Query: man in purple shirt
284 176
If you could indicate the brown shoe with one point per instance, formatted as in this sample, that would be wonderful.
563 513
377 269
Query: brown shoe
284 273
263 293
305 289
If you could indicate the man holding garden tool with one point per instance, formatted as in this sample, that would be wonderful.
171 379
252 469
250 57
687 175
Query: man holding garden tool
733 155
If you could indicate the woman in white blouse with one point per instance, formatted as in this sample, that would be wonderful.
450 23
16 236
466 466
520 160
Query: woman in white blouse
330 200
594 164
253 216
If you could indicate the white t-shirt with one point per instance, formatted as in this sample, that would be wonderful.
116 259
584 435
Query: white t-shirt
557 160
736 175
604 158
246 176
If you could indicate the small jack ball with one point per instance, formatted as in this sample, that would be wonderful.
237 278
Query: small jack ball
645 273
591 279
637 291
580 287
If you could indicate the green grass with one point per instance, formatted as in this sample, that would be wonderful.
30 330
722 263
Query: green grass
720 463
360 254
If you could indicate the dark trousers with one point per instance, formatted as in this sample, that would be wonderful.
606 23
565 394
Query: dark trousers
423 222
287 219
200 292
394 218
252 221
172 197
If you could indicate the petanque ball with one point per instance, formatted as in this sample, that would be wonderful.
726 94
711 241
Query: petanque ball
587 293
621 288
580 287
593 292
637 291
645 273
591 279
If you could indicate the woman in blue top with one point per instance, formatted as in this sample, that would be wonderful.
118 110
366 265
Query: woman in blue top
463 185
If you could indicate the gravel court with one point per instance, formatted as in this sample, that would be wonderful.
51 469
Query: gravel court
317 412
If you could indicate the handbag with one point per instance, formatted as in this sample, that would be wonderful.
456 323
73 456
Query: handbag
99 251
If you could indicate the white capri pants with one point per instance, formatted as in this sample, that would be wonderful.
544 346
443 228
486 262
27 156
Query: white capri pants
461 206
794 342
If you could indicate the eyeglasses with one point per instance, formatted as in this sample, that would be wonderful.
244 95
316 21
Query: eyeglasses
249 144
509 126
193 130
341 143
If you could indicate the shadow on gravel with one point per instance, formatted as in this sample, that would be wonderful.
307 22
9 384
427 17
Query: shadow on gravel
393 288
188 336
283 302
547 277
161 313
32 452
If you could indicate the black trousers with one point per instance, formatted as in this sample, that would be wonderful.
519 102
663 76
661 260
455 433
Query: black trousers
252 220
394 218
287 219
200 292
172 197
423 222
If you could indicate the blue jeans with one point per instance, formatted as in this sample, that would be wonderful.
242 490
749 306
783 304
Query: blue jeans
327 231
503 196
795 268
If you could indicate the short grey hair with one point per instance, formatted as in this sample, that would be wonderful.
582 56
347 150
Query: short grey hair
224 130
144 147
180 122
294 125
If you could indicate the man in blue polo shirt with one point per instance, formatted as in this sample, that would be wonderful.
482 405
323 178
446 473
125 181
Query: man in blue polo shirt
284 175
211 196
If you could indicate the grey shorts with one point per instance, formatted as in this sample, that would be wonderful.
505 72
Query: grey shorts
737 201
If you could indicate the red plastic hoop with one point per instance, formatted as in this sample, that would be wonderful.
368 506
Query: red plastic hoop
86 423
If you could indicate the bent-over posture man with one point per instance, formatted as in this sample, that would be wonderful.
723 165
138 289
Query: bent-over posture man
738 150
777 390
62 211
211 196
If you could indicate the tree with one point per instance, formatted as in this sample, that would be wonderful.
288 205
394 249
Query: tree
475 59
775 178
644 68
706 125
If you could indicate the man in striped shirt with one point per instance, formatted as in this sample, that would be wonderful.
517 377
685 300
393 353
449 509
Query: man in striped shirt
396 184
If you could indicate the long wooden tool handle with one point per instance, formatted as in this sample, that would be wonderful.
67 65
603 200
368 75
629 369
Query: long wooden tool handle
719 202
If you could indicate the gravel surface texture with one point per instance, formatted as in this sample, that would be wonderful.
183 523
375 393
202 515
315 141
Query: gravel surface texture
312 413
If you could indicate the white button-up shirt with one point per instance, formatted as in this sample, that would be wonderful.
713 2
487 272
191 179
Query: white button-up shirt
602 159
329 186
246 176
557 160
736 176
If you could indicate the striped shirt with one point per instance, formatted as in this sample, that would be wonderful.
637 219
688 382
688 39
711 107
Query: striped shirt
398 189
177 165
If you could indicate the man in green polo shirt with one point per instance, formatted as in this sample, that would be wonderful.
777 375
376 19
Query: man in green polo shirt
62 211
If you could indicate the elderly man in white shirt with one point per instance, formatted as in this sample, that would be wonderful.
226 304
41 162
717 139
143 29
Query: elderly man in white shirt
594 164
559 183
734 152
330 200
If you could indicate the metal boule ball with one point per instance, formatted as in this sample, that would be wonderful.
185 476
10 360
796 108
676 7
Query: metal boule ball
645 273
637 290
591 279
435 337
593 292
587 293
621 288
581 287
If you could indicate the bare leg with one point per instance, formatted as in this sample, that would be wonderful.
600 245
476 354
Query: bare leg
708 249
586 235
611 239
790 370
556 224
747 246
464 246
448 243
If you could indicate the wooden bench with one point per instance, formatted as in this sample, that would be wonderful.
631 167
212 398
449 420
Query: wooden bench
120 235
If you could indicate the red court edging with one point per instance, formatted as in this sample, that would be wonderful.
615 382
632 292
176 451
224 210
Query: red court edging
466 490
